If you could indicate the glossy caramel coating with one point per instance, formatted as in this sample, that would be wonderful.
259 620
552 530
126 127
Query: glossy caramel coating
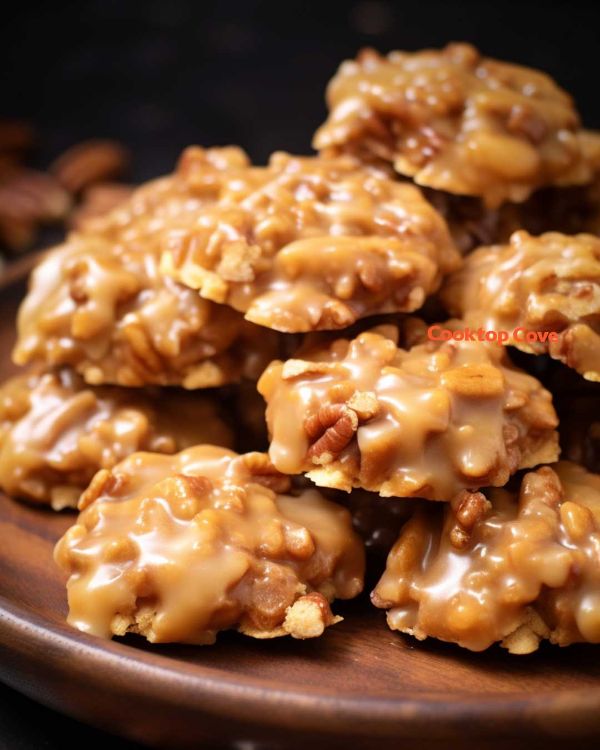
56 432
428 421
457 121
513 568
177 548
549 283
309 243
570 210
100 304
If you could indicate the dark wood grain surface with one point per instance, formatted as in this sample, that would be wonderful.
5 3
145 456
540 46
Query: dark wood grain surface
359 684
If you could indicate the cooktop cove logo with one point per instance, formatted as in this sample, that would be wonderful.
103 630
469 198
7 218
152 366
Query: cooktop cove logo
439 333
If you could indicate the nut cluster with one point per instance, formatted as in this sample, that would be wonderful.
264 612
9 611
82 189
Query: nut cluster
429 421
545 283
456 121
308 243
523 568
178 548
105 309
56 432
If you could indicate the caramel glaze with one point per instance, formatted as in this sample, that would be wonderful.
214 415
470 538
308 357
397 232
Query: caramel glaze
515 567
546 283
100 304
310 243
56 432
428 421
177 548
456 121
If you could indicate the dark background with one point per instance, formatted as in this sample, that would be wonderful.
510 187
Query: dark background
162 74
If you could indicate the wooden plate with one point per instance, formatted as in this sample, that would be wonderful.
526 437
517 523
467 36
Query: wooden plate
359 684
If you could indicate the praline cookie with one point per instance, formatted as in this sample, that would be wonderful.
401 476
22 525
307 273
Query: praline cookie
178 548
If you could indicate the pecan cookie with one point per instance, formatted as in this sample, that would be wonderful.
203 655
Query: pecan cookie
428 421
178 548
543 291
100 304
508 567
456 121
309 243
107 311
56 432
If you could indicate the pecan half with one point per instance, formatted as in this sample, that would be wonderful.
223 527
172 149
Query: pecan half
331 428
90 162
30 196
28 199
469 507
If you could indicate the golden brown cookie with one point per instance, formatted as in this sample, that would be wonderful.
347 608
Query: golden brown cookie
428 421
309 243
178 548
100 304
56 432
543 291
508 567
457 121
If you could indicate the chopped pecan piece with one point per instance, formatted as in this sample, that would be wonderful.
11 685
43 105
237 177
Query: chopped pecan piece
474 380
469 508
260 468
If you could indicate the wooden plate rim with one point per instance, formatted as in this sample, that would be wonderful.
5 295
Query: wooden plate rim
211 690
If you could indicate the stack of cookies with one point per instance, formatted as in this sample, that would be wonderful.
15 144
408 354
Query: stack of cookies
413 314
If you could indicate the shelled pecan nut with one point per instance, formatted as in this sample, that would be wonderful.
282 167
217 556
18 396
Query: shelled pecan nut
90 162
331 429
